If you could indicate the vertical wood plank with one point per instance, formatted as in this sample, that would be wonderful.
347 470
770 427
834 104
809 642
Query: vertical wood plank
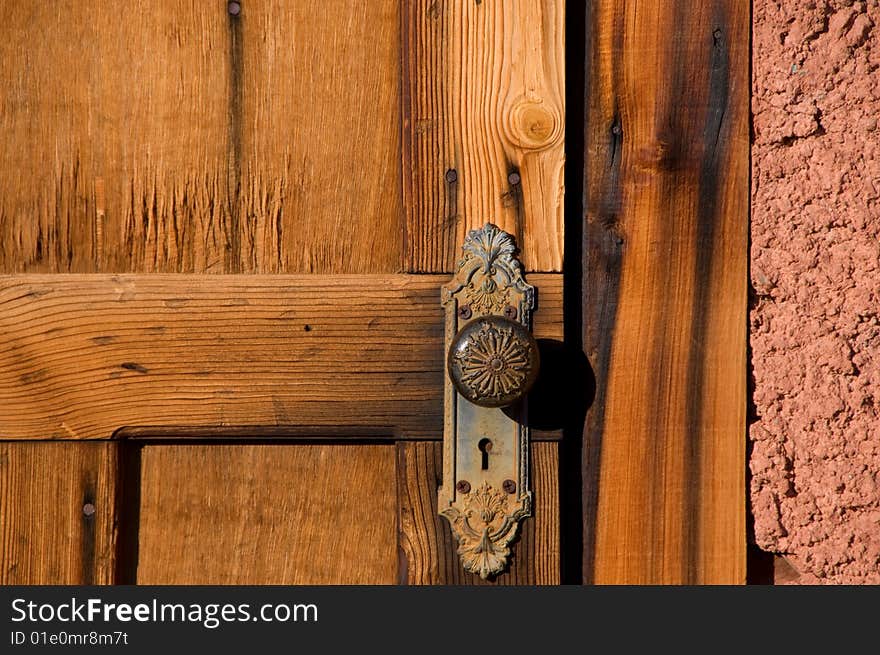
320 136
666 189
426 541
292 514
57 513
484 99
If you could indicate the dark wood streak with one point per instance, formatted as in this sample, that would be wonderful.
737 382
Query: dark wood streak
406 119
401 475
603 247
514 196
232 227
128 508
664 160
672 159
715 145
89 495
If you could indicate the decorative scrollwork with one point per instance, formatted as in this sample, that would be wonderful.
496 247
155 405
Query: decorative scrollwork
486 297
489 273
485 526
487 245
492 362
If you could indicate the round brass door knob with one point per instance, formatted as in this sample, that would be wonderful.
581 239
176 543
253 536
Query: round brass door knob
493 361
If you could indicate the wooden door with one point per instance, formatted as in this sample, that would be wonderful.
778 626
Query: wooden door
223 231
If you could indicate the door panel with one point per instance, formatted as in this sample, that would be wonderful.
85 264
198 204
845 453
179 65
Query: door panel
317 514
58 516
316 86
270 514
172 137
232 210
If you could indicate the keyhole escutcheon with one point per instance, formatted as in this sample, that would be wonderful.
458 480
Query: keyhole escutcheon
485 446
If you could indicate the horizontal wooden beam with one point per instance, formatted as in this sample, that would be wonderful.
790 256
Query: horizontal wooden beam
88 356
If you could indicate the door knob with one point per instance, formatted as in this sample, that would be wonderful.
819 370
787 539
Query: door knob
491 361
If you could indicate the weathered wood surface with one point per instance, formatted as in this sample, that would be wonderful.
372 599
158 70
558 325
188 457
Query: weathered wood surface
292 514
276 141
427 543
307 137
484 130
58 521
84 355
666 188
173 137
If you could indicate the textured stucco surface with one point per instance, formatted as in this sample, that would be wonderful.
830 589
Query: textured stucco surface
815 322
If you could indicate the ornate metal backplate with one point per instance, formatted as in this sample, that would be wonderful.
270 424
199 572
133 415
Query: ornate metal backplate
493 360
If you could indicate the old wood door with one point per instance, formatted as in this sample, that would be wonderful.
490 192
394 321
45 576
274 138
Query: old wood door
223 232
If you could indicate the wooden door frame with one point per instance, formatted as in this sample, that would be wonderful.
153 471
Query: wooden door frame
657 293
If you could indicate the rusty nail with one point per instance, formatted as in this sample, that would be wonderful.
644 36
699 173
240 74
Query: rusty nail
234 8
509 486
510 312
513 178
88 509
464 312
463 487
451 175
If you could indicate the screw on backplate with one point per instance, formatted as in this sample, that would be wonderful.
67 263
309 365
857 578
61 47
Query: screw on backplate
89 509
463 487
234 8
510 312
509 486
514 178
464 312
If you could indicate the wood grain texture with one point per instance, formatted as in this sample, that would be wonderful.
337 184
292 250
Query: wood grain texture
484 97
297 514
666 189
173 137
84 355
320 145
46 537
427 543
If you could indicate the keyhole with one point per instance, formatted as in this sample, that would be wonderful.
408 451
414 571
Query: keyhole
485 447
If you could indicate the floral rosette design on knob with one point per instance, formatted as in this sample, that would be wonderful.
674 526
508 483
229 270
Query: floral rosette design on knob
493 362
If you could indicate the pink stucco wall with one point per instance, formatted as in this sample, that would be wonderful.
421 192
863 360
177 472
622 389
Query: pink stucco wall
815 321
